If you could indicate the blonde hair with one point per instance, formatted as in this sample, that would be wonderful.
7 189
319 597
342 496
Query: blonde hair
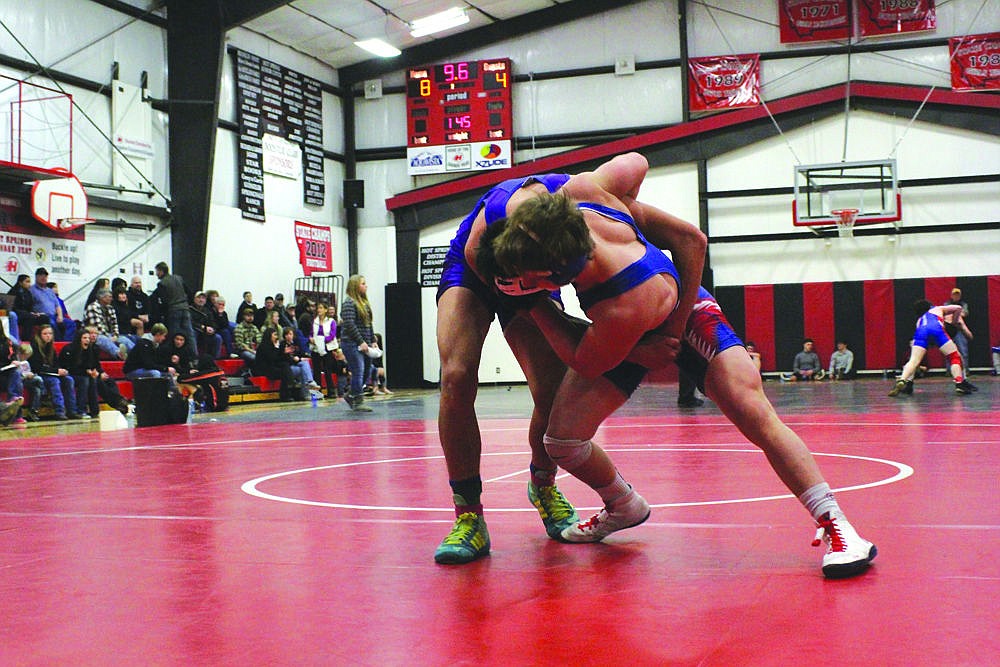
354 291
25 349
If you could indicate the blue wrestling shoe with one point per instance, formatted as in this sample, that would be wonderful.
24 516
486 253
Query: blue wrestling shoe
467 541
557 513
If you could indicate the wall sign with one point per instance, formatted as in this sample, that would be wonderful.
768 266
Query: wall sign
890 17
813 20
458 116
271 99
315 248
432 265
724 82
975 62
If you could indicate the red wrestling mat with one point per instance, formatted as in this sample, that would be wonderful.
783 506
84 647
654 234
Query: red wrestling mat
311 543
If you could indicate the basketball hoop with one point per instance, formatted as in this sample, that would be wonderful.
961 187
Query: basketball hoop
845 221
66 224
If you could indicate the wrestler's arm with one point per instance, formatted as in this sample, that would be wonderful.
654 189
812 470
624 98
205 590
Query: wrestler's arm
621 177
596 348
687 245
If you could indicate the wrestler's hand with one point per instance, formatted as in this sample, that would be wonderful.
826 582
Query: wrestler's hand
655 350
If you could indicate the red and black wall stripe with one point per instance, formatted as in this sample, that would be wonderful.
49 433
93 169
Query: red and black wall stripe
875 317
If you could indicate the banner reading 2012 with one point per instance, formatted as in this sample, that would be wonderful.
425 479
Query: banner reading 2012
315 248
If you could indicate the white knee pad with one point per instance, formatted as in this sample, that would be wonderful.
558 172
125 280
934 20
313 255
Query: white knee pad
569 454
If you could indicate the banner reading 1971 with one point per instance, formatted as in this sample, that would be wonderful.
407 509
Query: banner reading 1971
813 20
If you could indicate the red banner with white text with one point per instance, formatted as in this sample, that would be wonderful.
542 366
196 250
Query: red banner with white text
890 17
315 248
724 82
813 20
975 62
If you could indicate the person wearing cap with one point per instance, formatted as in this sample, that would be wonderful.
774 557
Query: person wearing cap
955 331
203 321
45 300
283 317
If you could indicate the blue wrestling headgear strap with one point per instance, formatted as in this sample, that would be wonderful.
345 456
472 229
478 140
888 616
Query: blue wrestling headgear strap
570 270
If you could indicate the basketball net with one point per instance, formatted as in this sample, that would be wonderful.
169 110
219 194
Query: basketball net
845 221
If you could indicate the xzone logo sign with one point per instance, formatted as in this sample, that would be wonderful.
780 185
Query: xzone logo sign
491 157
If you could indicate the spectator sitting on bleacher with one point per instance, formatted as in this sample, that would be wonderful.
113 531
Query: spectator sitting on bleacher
24 305
246 337
144 361
130 326
100 315
45 300
203 321
223 325
298 358
271 320
139 303
58 382
283 317
246 304
274 365
261 317
81 360
10 382
177 354
30 382
65 324
99 284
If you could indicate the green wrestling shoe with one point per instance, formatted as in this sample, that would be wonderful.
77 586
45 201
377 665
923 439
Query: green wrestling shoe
467 541
557 513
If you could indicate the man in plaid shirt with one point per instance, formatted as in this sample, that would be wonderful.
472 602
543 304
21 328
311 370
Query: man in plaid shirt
101 315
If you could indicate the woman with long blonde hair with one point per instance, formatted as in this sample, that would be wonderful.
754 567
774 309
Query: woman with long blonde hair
355 335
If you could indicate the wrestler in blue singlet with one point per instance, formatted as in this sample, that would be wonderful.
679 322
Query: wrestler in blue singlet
457 271
930 326
627 375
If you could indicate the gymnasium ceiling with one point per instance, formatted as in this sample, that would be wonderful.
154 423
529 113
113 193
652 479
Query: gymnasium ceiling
327 29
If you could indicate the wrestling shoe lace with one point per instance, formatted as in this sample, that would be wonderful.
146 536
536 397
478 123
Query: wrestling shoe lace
557 513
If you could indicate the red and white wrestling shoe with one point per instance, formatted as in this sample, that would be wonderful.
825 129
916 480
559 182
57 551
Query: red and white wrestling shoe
847 553
626 512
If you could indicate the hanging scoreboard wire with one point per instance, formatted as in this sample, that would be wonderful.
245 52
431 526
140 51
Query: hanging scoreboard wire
458 116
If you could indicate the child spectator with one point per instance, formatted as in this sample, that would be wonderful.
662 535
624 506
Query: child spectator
32 383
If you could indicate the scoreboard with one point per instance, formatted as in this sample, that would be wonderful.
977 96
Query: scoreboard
458 117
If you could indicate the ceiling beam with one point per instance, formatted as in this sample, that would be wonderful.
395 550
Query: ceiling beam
478 37
238 12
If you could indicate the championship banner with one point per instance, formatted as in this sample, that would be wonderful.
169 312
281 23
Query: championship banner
975 62
724 82
315 248
890 17
813 20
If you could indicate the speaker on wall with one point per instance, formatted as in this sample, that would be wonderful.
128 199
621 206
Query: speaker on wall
404 345
354 193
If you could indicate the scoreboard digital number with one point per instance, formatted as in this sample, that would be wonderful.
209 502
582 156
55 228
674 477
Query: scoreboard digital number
458 117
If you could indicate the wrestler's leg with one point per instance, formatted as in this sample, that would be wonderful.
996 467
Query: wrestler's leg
462 324
733 383
916 356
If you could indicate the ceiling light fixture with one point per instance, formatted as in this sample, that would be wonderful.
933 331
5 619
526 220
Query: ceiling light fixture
437 22
379 48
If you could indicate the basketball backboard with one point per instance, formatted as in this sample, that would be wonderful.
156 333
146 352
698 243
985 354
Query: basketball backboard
60 203
870 187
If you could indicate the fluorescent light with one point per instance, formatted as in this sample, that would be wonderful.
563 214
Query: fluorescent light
378 47
437 22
